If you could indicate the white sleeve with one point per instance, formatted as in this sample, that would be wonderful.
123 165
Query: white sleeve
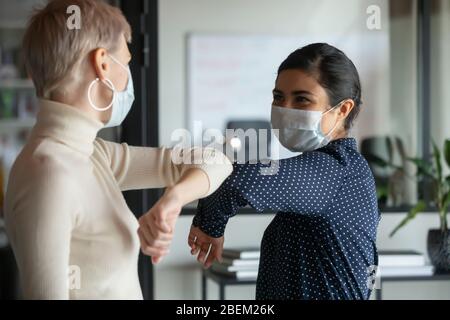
145 167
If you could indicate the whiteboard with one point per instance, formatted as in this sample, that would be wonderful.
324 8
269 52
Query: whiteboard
231 77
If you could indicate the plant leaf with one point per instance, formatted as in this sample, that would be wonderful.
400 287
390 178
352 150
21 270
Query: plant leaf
376 160
400 148
419 207
447 151
446 200
437 161
380 162
381 191
424 167
390 149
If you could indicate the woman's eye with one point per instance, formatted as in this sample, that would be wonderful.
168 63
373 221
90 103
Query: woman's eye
301 100
277 97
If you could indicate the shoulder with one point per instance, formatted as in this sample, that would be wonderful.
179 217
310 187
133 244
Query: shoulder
42 160
39 171
340 152
40 186
345 153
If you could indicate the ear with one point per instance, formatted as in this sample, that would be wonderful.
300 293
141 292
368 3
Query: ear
100 63
345 108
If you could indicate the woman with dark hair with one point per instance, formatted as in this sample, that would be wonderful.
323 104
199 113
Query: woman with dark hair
321 243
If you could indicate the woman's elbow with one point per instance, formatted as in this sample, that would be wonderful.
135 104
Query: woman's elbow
218 167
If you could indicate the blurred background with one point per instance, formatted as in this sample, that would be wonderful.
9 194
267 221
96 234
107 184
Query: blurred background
203 64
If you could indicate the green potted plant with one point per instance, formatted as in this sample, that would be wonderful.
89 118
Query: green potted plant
431 171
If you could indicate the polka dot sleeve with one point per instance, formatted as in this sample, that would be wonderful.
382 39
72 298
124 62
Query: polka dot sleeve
305 184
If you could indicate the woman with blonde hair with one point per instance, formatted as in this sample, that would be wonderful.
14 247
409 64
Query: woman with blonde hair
65 214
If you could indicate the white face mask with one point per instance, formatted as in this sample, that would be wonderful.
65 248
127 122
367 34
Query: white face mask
122 100
300 130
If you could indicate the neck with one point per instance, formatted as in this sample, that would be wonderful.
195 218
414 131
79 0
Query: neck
80 102
67 125
340 134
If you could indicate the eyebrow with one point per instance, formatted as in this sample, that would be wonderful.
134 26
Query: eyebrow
295 93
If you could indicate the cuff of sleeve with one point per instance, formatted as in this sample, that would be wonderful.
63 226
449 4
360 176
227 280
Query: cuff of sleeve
215 231
213 226
196 222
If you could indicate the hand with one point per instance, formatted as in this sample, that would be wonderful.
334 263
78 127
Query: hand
157 226
200 243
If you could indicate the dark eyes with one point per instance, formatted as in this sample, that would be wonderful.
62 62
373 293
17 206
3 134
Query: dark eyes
298 99
277 97
302 100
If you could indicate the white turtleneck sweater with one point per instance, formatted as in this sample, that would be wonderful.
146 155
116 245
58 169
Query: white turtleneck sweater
72 233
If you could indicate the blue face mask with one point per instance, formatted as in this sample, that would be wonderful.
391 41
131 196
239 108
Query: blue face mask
122 100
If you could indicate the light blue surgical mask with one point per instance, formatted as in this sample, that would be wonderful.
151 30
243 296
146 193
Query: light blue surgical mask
300 130
122 100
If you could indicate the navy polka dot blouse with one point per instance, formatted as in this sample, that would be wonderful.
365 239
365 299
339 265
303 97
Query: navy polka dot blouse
321 243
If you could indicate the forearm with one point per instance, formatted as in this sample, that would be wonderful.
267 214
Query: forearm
157 226
145 167
214 211
193 184
241 188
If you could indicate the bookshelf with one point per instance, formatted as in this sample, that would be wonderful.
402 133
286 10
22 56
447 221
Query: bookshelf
18 103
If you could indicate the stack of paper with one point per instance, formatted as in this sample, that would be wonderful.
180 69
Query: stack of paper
239 263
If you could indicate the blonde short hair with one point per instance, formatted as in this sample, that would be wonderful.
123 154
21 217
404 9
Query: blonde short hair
52 50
